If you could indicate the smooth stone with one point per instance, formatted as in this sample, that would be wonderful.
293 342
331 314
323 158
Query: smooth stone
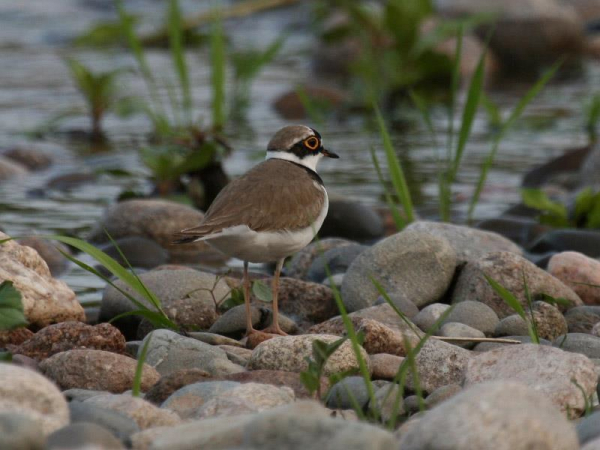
10 169
187 400
408 308
18 431
351 220
513 325
49 251
468 243
25 392
507 269
169 352
79 395
302 261
548 370
245 398
385 315
428 316
336 260
143 413
385 366
588 428
442 394
187 296
45 299
233 321
487 346
582 319
388 402
416 264
474 314
585 344
578 272
520 230
582 241
72 335
277 378
347 394
460 330
138 252
499 415
159 221
290 353
237 355
214 339
168 384
412 406
31 158
297 426
378 338
83 435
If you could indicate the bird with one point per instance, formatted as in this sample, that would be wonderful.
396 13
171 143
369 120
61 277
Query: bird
271 212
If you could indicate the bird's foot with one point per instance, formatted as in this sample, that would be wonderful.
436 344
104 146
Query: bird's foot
275 329
255 337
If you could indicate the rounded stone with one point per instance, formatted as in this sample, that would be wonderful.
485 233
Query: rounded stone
385 366
499 415
581 273
49 251
549 321
420 266
428 316
290 353
25 392
582 319
442 394
301 262
138 252
187 400
120 425
348 393
174 381
513 325
18 431
474 314
583 343
83 435
460 330
96 370
407 307
337 260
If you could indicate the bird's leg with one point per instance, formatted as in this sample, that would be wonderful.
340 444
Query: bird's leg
249 328
274 328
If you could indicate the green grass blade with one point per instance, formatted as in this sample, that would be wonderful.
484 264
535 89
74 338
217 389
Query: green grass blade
507 296
389 301
512 118
532 325
139 369
176 43
398 219
396 171
453 92
217 78
421 106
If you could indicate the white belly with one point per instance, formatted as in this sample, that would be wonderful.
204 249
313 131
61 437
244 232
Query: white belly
265 246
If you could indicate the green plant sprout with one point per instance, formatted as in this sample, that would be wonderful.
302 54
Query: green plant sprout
586 213
11 307
139 368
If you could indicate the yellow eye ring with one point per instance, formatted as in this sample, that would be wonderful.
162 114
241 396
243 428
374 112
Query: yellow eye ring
312 143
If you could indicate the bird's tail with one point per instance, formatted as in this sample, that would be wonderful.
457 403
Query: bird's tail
183 239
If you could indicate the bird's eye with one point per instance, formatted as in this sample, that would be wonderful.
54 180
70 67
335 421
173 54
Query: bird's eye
311 143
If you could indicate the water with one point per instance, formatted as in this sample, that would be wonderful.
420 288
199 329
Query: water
35 85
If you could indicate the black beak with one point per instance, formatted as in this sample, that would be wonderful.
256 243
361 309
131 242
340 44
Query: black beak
329 153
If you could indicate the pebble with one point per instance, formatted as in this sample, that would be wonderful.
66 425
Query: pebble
578 272
169 352
19 431
336 260
351 220
302 261
276 378
49 251
97 370
442 394
83 435
416 264
290 353
388 402
500 415
469 243
172 382
187 400
25 392
144 413
45 299
474 314
15 336
582 319
348 393
460 330
548 370
428 316
585 344
10 169
119 424
508 269
513 325
549 320
487 346
72 335
385 366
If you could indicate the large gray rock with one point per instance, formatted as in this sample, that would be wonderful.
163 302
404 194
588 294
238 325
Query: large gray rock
503 415
187 296
298 426
508 269
460 330
417 265
169 352
548 370
290 353
583 343
468 243
25 392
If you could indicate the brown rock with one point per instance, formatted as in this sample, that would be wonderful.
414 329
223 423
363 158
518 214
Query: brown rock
386 315
582 319
14 337
72 335
57 263
508 269
291 107
30 158
385 366
578 272
45 299
276 378
173 382
96 370
550 322
306 301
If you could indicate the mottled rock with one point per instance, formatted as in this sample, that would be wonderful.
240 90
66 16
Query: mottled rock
582 319
484 416
511 326
428 316
416 264
460 330
96 369
385 366
157 220
83 435
301 262
169 352
25 392
119 424
578 272
14 337
351 220
49 251
583 343
468 243
474 314
187 400
144 413
45 299
18 431
337 260
289 353
188 297
214 339
508 269
442 394
545 369
276 378
549 321
348 393
172 382
385 315
71 335
304 301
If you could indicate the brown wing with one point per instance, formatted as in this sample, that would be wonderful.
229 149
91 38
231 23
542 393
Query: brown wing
273 195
